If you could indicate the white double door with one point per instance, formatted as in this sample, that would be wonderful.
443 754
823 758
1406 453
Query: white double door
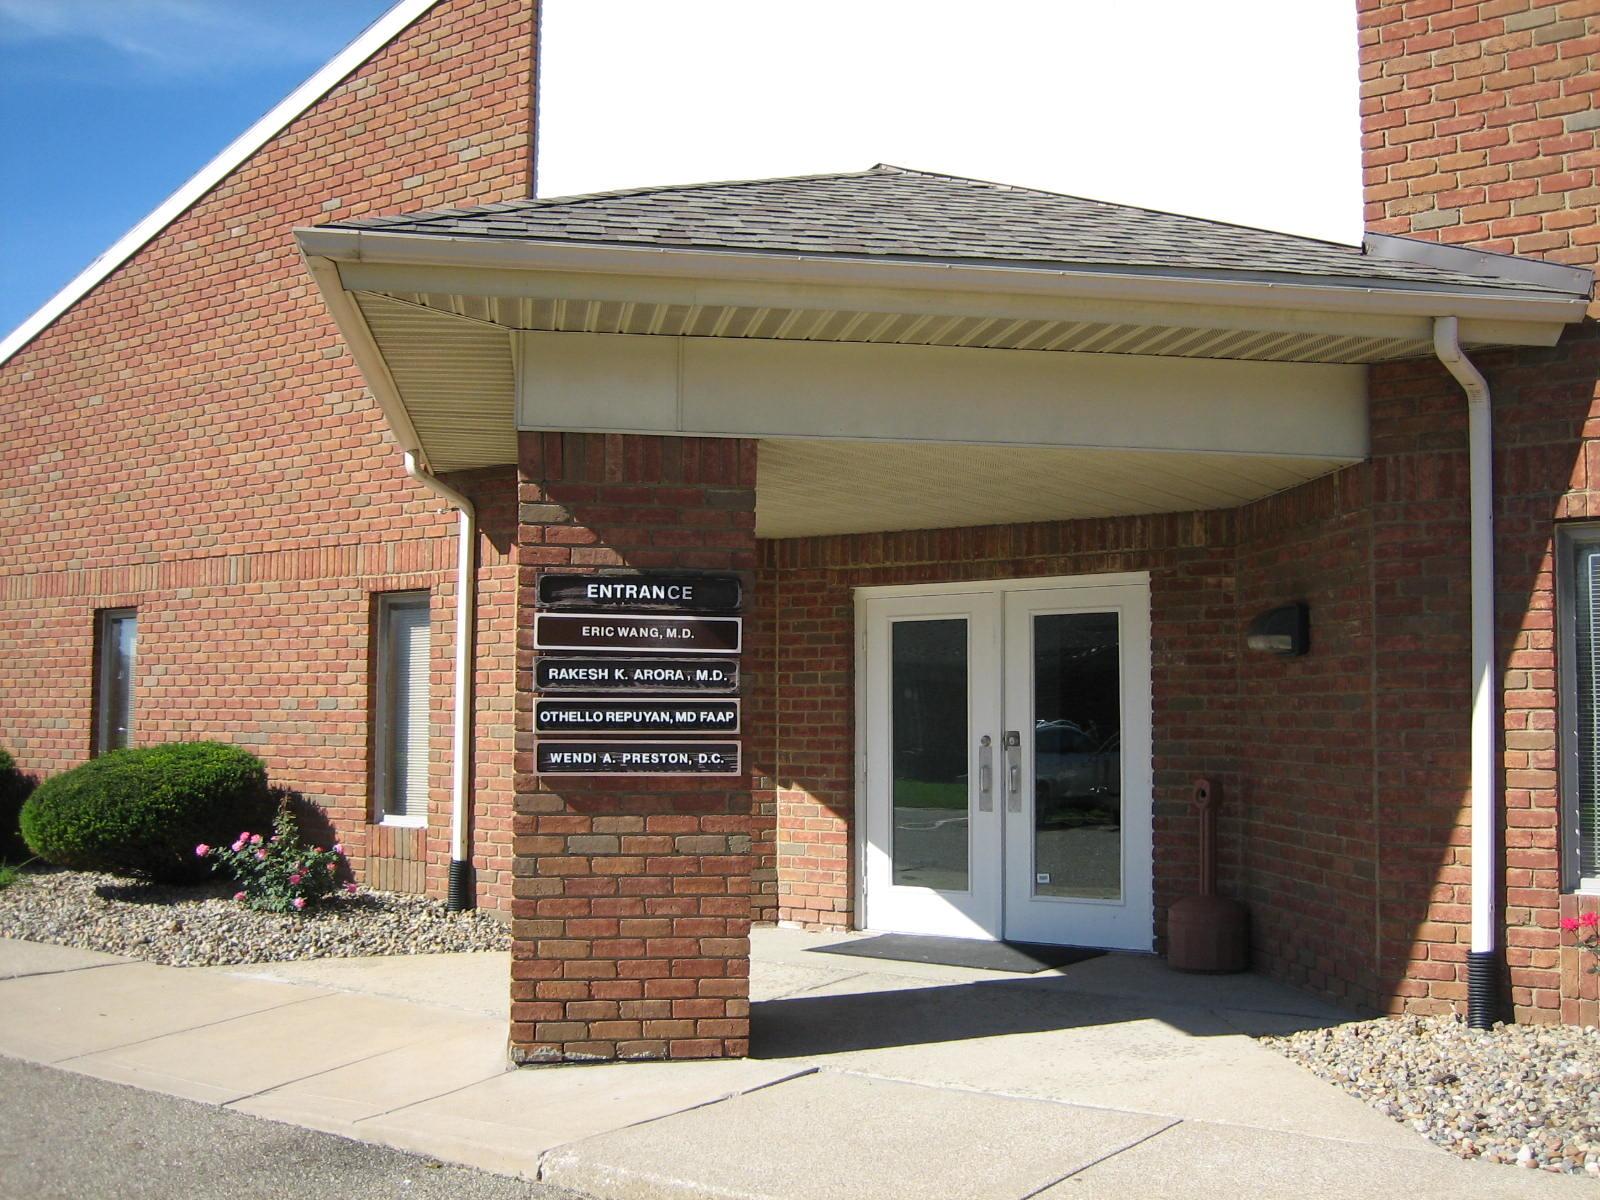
1004 760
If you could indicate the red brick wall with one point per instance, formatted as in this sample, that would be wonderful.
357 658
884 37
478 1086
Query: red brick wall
192 438
631 921
1544 402
1480 128
1303 805
1478 123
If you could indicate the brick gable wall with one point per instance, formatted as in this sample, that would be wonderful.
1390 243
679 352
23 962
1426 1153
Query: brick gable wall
192 438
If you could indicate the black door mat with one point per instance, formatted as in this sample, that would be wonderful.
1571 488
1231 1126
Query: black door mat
1024 958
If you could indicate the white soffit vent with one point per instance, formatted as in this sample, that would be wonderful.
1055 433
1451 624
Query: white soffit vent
372 39
810 488
455 378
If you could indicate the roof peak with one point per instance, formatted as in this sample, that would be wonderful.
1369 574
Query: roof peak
884 169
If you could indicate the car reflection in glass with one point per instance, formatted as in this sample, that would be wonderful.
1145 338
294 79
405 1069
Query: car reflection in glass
1077 776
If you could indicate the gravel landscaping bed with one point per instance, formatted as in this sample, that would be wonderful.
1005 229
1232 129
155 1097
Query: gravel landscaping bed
204 927
1523 1094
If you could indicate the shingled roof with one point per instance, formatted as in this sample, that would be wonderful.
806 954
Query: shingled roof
894 214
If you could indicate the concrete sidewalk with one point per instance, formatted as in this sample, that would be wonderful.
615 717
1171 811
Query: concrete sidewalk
868 1079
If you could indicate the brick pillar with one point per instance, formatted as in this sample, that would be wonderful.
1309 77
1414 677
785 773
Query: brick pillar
631 910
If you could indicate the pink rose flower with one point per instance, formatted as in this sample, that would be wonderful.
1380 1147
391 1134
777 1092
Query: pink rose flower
351 888
202 850
255 839
1570 924
294 881
299 902
238 895
238 846
338 848
261 856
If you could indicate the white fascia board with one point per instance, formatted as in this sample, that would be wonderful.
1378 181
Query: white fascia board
750 388
425 250
372 39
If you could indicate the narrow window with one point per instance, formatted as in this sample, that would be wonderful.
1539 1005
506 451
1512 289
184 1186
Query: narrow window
401 741
116 639
1580 629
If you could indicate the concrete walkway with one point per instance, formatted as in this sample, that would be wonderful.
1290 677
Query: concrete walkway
868 1079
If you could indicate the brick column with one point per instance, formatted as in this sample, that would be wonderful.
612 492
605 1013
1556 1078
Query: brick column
631 910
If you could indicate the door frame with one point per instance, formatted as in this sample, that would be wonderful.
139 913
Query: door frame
958 587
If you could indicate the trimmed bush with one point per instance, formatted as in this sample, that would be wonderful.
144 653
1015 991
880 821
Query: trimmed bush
15 786
141 812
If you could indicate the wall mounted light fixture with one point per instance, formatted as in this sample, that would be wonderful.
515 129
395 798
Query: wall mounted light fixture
1285 631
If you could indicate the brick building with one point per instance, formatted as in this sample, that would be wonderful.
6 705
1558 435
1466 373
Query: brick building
1006 477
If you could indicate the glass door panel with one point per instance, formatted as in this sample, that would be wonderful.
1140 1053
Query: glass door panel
1077 695
932 698
928 718
1077 757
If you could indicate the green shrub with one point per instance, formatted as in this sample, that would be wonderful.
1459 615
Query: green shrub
15 786
141 812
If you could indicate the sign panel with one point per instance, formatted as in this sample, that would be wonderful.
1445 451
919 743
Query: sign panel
617 673
619 715
642 635
623 757
655 592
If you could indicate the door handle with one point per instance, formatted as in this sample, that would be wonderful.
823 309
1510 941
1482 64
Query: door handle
1013 771
986 774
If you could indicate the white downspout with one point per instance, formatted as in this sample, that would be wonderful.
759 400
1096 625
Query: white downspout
461 741
1482 973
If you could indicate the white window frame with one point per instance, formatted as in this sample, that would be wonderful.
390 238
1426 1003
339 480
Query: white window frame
105 620
383 709
1569 538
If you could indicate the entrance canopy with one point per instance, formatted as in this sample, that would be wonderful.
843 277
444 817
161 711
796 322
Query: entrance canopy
911 350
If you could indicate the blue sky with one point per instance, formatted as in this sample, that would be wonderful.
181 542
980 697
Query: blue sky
108 106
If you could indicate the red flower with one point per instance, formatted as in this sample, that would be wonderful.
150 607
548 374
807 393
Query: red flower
1590 920
1570 924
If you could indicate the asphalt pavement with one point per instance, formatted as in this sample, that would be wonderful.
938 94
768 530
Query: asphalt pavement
65 1136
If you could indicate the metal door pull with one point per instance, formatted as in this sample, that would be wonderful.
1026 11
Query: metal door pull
1013 771
985 775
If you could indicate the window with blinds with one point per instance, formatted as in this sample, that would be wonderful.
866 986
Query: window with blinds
404 644
117 637
1581 823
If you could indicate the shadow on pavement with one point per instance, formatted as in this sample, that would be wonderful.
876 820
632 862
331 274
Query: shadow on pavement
819 1024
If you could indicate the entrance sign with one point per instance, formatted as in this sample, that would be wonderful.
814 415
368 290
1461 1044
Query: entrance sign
636 758
655 592
679 705
618 715
616 673
642 635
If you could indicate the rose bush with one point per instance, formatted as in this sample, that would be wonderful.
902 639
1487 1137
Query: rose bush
1585 931
280 872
